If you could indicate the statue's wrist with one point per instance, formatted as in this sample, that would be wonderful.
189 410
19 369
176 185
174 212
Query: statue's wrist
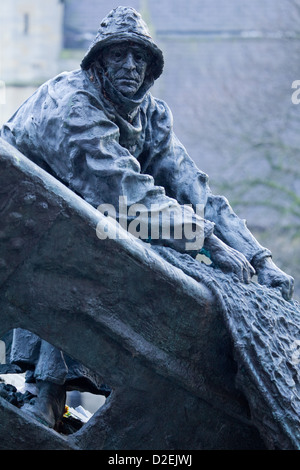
210 242
262 260
208 245
212 246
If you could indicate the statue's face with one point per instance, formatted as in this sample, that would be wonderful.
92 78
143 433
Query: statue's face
126 66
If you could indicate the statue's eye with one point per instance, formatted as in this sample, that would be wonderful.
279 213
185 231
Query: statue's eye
117 55
140 57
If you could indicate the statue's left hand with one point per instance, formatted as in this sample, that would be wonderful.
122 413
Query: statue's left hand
270 275
229 260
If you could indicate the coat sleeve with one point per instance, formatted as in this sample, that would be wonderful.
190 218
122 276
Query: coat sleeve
172 167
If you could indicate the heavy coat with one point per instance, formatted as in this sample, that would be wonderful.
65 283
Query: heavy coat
102 146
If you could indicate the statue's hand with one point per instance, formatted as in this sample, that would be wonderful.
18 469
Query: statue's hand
228 259
270 275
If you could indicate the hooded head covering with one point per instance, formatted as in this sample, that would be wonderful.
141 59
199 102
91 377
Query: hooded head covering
124 24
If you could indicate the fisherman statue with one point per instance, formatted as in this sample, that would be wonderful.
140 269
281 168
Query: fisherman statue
100 131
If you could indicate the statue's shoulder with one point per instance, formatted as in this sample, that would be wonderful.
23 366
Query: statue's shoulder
75 79
158 107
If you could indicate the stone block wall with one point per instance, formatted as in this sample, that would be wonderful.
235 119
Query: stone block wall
31 40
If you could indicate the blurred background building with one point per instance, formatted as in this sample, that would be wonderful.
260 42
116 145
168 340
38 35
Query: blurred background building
229 68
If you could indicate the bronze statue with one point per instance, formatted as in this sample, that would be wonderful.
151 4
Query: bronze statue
100 131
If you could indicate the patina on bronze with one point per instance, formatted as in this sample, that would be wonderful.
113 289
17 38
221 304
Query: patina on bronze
100 131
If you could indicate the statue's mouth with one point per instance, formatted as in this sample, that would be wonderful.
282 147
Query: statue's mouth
128 81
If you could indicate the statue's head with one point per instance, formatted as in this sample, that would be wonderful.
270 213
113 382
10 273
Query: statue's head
126 66
124 48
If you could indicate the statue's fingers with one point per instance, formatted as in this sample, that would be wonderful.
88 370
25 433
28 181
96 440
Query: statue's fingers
248 272
252 270
286 285
247 266
288 289
247 276
242 272
285 290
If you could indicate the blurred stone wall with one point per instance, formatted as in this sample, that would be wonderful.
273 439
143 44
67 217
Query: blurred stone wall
31 40
229 69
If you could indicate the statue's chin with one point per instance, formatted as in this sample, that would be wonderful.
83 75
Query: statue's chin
128 88
128 91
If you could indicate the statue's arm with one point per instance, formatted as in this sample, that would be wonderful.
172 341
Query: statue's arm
103 170
173 168
69 135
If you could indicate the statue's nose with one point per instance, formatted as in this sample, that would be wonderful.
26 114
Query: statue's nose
130 62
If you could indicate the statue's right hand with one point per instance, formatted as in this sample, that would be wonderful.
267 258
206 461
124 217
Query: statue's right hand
228 259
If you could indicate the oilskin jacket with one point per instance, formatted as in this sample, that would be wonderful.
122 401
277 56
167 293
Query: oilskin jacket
104 149
103 145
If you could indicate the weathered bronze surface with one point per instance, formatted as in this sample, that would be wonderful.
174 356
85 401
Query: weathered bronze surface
194 356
